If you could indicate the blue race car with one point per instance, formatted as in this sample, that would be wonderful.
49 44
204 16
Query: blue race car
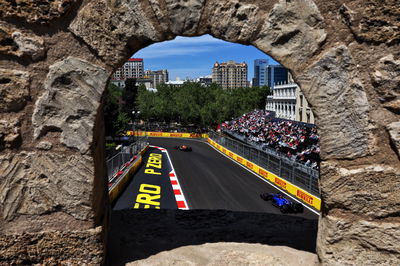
284 205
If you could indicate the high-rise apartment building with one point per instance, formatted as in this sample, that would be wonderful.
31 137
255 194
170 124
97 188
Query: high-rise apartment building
157 77
276 74
131 69
230 75
260 74
269 75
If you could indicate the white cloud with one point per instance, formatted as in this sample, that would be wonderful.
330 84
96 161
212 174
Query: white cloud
188 72
159 52
191 70
182 46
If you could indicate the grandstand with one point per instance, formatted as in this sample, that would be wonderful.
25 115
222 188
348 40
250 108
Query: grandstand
296 140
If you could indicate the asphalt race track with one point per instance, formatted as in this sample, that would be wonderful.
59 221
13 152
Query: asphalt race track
208 180
151 186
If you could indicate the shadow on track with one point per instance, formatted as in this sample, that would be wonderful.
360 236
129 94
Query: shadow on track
139 234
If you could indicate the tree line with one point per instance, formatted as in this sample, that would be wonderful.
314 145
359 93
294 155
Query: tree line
192 103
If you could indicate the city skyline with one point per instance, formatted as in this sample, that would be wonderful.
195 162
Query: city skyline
195 56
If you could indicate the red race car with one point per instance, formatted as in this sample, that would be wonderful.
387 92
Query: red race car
183 148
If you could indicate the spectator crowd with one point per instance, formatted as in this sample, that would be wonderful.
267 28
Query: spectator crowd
298 141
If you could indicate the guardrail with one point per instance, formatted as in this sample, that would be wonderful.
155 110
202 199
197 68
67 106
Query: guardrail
117 184
273 169
115 163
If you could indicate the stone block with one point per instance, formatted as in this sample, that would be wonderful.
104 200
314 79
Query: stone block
44 145
231 20
77 247
369 190
41 11
350 240
21 43
386 81
184 15
394 133
340 104
73 89
42 183
10 134
117 28
292 32
14 90
373 21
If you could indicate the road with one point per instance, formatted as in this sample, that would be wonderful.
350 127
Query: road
207 179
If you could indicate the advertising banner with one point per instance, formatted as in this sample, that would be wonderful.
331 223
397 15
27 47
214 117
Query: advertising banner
166 134
299 193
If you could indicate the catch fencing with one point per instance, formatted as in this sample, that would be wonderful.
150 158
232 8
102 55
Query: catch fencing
115 163
296 173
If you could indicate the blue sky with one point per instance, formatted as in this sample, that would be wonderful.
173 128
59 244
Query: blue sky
194 56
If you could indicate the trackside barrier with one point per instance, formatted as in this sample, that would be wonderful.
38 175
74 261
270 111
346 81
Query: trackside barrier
124 155
142 152
166 134
299 193
117 186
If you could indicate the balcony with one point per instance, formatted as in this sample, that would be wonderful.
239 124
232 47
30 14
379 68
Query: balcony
285 97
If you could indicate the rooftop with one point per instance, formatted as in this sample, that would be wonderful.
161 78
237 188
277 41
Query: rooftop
135 60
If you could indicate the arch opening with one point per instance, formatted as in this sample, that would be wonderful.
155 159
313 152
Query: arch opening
174 124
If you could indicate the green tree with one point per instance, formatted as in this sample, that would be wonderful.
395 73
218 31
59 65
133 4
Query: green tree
111 108
129 95
164 102
195 104
145 102
117 110
121 124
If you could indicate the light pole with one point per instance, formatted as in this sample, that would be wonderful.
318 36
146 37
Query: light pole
133 125
135 114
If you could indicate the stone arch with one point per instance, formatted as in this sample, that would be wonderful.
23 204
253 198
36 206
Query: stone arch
56 60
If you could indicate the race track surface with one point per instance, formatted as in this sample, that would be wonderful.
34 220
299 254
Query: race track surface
208 180
151 186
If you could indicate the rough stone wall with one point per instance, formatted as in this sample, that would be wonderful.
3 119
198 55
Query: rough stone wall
55 59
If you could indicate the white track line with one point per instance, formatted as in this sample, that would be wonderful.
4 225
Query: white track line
263 179
178 192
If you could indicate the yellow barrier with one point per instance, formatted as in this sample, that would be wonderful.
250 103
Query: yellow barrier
166 134
117 189
299 193
135 133
144 150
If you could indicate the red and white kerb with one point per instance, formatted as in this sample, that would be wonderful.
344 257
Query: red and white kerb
161 149
179 197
